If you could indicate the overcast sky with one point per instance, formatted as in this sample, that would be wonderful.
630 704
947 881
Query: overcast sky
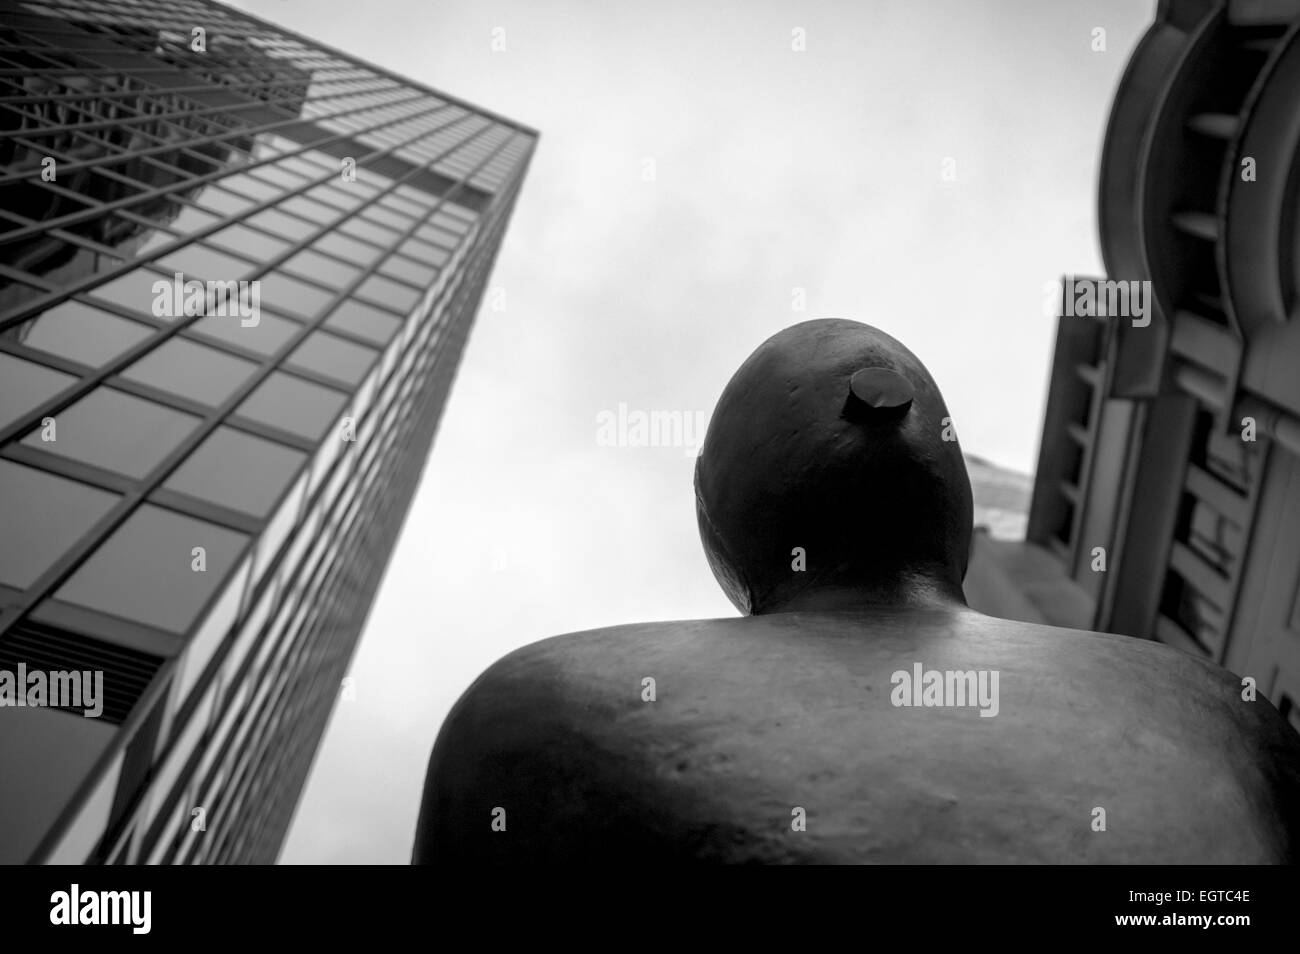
773 170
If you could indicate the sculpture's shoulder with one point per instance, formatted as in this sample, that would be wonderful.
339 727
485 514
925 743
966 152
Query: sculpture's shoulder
553 679
1128 679
1200 748
523 768
698 739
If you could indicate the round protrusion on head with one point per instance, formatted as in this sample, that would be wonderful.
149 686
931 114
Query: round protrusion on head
882 388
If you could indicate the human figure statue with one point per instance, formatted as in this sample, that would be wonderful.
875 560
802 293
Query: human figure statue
826 725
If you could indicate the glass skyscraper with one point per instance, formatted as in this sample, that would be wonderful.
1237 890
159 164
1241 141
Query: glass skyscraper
237 272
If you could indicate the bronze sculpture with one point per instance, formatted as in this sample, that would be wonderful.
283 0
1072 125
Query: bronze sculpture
859 711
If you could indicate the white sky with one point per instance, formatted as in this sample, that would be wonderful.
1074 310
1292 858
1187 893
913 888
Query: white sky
774 170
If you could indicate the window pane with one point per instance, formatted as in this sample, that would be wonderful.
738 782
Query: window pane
391 354
385 291
337 194
238 470
47 754
342 471
269 144
364 395
250 242
266 337
438 234
303 537
245 183
457 215
326 194
231 712
278 528
302 166
81 333
388 217
249 630
285 226
157 239
204 264
191 220
412 271
135 290
81 837
293 404
293 296
365 321
25 385
182 749
309 209
328 354
223 202
279 178
116 431
327 271
361 228
412 204
359 253
211 632
191 370
14 292
412 198
41 516
144 571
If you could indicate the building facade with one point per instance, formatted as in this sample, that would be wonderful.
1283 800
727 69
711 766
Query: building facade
237 272
1166 503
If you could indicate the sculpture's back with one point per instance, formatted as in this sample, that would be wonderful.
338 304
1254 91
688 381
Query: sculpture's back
860 711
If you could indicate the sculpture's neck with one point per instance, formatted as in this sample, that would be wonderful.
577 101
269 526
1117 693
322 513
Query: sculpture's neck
919 592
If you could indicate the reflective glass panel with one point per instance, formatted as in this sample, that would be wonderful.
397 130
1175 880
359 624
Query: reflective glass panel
25 385
330 355
266 337
36 786
385 291
80 333
191 370
237 470
41 516
291 295
250 242
146 571
294 404
116 431
365 321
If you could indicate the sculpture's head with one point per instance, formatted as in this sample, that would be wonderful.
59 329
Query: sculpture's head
832 437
